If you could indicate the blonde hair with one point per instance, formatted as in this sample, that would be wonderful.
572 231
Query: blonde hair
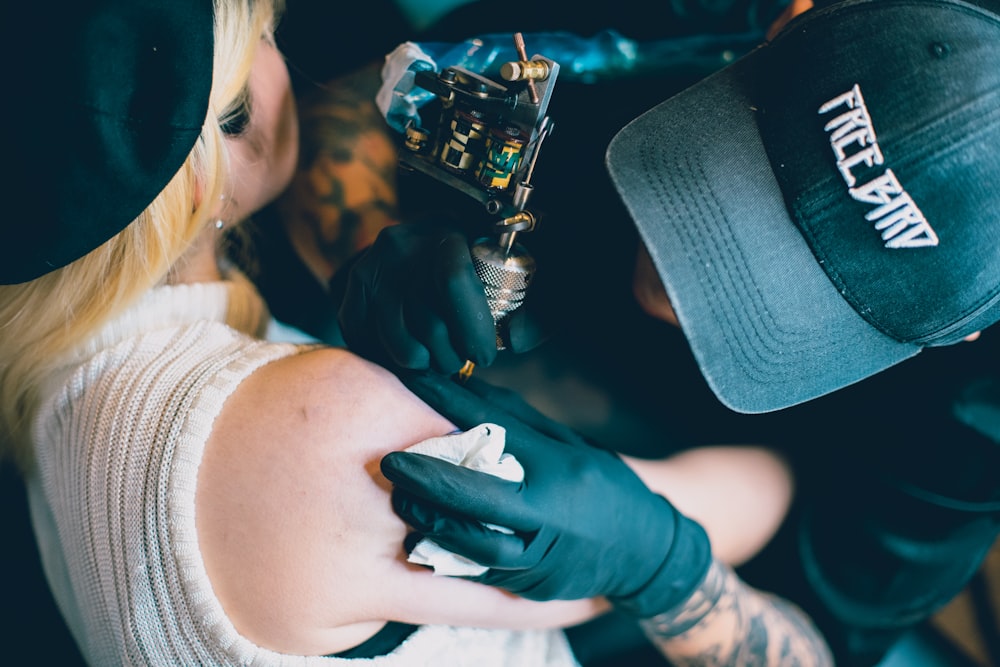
42 320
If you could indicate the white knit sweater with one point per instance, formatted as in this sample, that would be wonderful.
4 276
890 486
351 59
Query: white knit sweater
118 442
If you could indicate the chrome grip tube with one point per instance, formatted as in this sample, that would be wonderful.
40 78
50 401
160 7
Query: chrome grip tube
505 274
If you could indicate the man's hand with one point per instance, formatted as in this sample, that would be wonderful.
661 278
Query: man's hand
413 300
583 524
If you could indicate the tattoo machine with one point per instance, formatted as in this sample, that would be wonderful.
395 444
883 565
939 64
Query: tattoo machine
484 141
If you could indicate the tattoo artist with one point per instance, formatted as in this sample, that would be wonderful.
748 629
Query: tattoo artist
804 241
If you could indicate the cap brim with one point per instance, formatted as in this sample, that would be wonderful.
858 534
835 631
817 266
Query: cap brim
766 326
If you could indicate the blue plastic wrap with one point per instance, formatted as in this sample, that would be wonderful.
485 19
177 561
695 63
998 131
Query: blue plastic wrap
603 56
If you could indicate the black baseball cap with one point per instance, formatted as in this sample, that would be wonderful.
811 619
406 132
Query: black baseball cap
828 205
106 100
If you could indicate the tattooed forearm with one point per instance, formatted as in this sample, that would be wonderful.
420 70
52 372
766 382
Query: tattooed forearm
728 623
691 613
344 191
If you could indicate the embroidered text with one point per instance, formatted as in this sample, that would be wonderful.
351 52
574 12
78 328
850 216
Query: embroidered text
852 138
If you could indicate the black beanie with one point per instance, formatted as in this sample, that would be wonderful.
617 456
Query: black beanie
106 99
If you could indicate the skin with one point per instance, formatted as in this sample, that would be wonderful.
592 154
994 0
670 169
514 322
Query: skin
648 290
727 623
794 8
263 158
297 532
739 494
344 189
294 518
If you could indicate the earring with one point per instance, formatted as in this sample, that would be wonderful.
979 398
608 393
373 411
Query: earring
220 224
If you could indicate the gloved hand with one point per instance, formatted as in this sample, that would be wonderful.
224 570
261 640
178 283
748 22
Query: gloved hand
583 524
413 300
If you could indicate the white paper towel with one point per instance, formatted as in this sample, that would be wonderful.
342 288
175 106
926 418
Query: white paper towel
480 448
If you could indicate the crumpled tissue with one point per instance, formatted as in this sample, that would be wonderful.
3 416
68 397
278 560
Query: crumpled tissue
480 448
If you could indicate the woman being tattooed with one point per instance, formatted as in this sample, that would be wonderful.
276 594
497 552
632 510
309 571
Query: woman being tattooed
343 193
344 190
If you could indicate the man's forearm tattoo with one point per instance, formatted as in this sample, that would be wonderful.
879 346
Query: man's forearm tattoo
728 623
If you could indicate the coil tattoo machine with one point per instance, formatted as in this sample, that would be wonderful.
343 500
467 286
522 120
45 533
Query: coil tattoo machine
485 142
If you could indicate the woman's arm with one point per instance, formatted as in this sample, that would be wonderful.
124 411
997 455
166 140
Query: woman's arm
294 519
739 494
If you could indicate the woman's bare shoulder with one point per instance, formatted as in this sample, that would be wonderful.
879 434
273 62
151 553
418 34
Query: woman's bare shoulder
325 384
294 518
291 507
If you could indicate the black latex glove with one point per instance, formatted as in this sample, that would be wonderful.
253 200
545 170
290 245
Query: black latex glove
413 299
584 524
